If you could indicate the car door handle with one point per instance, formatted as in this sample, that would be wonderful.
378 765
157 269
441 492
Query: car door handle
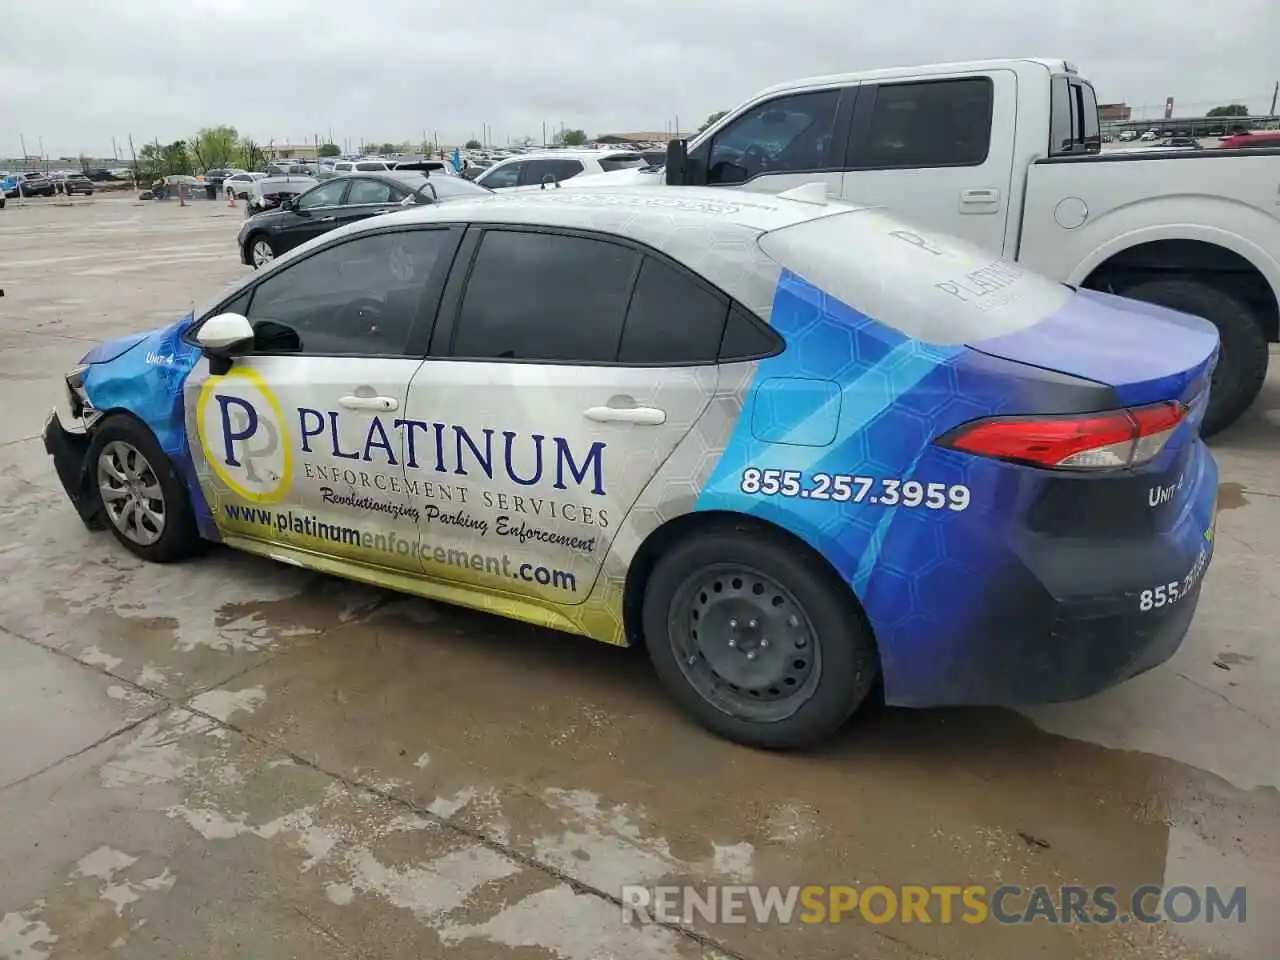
980 197
369 403
646 416
324 220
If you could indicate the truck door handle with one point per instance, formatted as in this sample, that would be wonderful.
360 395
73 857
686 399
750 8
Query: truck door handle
324 220
982 195
645 416
369 403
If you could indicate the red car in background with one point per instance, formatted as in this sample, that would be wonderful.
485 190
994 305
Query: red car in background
1266 138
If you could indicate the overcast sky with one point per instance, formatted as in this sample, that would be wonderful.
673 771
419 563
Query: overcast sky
77 73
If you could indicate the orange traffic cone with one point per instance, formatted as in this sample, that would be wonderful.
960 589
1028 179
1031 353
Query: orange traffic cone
182 196
231 199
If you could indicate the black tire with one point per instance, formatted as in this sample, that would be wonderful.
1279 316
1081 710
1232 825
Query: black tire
179 539
843 651
253 239
1242 363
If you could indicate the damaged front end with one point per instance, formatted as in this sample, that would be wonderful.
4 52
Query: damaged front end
67 440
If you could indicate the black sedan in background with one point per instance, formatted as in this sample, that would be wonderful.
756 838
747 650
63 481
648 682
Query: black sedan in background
337 202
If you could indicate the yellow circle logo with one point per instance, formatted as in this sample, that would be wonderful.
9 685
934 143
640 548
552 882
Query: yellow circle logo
243 435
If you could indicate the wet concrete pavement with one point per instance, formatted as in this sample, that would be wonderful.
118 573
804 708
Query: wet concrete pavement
233 758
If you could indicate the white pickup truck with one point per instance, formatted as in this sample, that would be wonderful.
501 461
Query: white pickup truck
1006 153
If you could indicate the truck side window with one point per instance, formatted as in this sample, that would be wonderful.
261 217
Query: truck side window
1062 131
791 134
934 123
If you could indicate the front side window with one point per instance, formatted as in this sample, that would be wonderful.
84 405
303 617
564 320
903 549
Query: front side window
788 135
504 175
935 123
359 298
544 296
328 195
373 191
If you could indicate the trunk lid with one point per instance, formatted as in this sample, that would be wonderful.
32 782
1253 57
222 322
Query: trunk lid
1145 352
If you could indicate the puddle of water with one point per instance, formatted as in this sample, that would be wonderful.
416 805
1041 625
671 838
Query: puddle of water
1231 496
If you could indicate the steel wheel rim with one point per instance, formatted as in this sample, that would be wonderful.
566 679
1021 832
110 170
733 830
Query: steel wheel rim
262 253
744 643
131 493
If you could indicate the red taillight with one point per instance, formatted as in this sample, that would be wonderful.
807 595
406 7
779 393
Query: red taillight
1095 441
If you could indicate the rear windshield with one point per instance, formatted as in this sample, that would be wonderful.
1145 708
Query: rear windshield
371 166
622 161
928 286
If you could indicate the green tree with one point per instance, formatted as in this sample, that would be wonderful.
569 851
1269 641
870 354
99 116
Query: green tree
249 155
385 148
712 119
214 147
176 158
473 145
1229 110
573 138
330 150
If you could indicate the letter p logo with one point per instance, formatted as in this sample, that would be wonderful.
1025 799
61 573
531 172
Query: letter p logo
231 435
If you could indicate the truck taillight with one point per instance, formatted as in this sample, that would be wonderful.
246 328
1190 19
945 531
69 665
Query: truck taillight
1095 441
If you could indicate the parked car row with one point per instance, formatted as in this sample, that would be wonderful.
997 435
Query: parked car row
44 185
294 218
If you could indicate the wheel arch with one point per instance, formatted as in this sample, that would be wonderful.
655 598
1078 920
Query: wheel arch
1214 259
700 521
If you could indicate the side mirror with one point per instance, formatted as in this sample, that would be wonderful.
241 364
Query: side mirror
677 163
223 332
288 203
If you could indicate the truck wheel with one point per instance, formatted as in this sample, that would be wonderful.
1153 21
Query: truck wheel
143 498
1242 362
757 639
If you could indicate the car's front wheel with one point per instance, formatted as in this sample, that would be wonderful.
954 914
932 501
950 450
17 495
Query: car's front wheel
757 638
143 498
261 251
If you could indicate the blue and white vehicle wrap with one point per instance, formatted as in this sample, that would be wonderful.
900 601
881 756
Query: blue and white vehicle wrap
983 580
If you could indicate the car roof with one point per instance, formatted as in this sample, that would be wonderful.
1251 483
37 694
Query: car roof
569 153
711 231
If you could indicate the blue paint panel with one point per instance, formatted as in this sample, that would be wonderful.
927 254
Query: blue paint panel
795 410
146 378
954 596
1148 353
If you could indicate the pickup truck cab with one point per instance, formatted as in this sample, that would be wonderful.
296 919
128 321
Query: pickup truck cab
1007 154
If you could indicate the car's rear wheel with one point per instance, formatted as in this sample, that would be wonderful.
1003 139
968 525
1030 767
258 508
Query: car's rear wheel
261 251
1242 364
143 499
756 638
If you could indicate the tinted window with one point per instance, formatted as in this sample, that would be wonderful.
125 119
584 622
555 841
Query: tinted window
543 171
507 175
788 135
369 166
342 166
746 338
1062 134
326 196
672 318
373 191
359 297
541 296
625 161
942 123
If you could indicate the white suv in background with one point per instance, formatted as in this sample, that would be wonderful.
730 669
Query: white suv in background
532 170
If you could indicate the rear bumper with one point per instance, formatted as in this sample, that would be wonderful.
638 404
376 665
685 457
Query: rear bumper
1059 619
70 453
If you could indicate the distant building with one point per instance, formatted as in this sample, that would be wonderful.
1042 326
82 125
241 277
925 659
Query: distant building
642 137
295 151
1114 112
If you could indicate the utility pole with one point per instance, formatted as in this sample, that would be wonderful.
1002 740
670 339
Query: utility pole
23 141
1275 92
544 134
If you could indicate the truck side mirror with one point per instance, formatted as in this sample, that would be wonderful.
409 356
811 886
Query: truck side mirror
677 169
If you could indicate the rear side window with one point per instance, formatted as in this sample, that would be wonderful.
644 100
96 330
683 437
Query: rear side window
507 175
370 166
548 297
936 123
373 191
628 161
673 319
543 171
